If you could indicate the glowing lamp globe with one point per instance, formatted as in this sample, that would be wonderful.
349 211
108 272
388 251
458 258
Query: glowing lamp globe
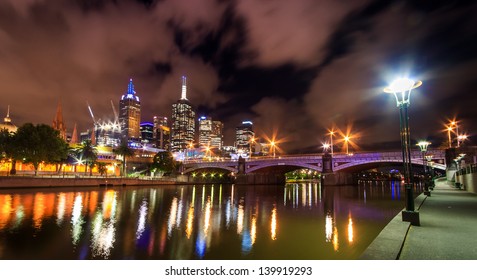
404 87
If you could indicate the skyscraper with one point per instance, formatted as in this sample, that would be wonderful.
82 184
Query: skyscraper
205 131
147 133
183 122
243 136
161 133
130 114
216 135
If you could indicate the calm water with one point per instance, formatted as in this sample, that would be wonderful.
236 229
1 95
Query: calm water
296 221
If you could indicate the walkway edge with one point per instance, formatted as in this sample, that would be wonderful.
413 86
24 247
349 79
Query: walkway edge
388 244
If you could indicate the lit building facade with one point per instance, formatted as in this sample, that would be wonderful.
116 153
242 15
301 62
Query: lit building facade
147 133
183 122
216 136
161 133
243 136
205 131
130 114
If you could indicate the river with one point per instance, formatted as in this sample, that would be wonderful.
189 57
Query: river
303 221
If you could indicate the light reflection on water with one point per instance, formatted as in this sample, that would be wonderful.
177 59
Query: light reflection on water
296 221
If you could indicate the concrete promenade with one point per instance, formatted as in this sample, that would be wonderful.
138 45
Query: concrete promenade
448 229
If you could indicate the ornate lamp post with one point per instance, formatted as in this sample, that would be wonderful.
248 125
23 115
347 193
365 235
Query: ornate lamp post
430 165
401 88
454 124
332 133
460 139
251 142
423 146
326 146
346 140
272 146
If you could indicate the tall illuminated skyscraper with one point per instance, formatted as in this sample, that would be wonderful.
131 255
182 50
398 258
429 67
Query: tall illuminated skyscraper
161 133
183 122
130 114
243 136
205 131
216 135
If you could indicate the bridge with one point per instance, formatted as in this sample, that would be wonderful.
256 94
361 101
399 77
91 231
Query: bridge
339 162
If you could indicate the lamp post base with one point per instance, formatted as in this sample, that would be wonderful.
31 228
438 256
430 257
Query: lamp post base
411 216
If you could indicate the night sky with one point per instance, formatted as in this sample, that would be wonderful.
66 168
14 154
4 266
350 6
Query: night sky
294 68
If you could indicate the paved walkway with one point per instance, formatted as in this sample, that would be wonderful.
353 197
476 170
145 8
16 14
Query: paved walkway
448 229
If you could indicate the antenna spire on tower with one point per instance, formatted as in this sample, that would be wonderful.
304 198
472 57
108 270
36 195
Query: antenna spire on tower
184 88
7 118
131 87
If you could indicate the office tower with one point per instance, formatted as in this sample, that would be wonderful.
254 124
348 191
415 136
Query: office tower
106 132
58 123
183 122
205 131
216 135
243 136
161 133
147 132
130 114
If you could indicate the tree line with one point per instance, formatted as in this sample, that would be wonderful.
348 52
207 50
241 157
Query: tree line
41 143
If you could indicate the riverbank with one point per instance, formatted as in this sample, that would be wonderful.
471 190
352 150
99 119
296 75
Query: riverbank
447 230
51 181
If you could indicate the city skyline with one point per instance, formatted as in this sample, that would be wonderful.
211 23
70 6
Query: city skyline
294 67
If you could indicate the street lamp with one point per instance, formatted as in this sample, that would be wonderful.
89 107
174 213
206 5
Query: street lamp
326 146
454 124
272 146
346 140
332 133
461 138
449 129
423 146
252 141
401 88
430 165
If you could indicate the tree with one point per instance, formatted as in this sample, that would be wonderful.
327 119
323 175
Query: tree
39 143
102 169
124 151
7 148
87 153
164 162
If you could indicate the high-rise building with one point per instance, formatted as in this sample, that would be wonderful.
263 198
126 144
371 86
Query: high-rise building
161 133
58 123
106 132
205 131
130 114
216 135
243 136
147 132
183 122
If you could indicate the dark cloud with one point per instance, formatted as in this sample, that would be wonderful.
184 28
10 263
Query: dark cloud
295 68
